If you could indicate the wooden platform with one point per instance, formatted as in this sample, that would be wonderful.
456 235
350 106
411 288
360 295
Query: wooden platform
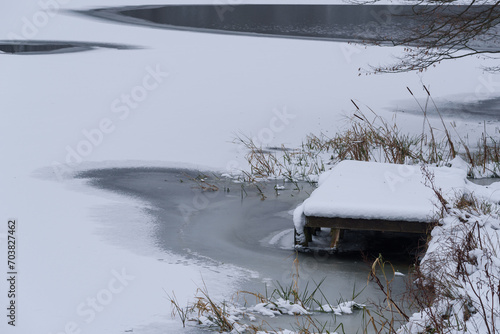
338 225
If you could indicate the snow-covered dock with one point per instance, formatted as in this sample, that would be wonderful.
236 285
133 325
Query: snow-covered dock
371 196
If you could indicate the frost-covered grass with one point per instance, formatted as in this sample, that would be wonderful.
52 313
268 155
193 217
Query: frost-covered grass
241 313
370 140
369 137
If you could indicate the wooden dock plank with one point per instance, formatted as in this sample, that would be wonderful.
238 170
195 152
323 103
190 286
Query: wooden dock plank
368 224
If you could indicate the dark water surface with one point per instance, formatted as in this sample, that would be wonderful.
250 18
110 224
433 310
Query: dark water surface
50 47
329 22
479 110
235 226
382 23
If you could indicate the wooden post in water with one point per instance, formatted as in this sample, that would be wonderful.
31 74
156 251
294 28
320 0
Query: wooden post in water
307 236
335 233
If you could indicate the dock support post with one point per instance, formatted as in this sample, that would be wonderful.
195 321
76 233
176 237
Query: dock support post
335 233
307 236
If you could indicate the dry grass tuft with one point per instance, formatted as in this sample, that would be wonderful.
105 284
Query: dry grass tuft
369 137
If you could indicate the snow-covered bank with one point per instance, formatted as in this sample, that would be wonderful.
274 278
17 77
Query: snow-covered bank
461 269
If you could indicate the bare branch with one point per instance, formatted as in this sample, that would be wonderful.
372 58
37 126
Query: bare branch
441 30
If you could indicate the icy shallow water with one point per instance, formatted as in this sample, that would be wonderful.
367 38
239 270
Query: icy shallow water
235 226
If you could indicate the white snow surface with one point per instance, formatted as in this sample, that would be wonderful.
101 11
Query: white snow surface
278 307
371 190
217 86
342 308
462 260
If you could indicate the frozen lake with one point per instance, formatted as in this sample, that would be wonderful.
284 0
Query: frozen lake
193 93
